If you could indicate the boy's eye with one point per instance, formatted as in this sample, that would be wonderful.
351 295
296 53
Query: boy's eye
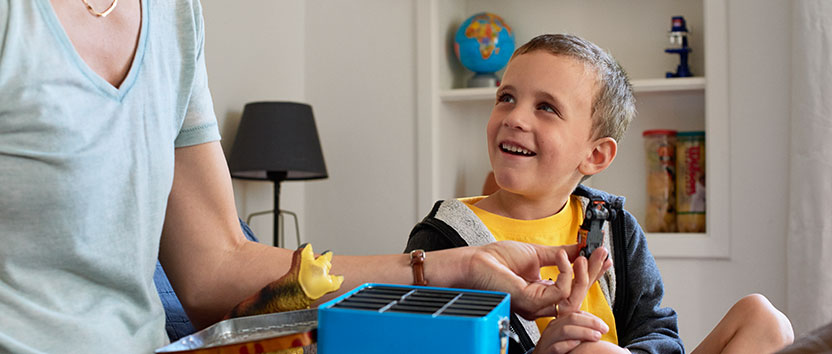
505 98
548 108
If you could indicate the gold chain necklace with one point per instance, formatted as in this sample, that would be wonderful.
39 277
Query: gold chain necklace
103 13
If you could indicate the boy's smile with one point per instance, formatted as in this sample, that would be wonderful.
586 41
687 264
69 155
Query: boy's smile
515 149
539 133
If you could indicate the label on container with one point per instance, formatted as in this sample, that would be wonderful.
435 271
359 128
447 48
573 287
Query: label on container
660 157
690 181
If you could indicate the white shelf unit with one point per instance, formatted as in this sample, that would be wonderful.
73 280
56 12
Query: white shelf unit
452 159
639 86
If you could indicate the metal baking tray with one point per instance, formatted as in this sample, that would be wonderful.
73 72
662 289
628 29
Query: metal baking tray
262 333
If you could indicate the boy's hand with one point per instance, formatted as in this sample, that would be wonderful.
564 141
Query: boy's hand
567 332
599 347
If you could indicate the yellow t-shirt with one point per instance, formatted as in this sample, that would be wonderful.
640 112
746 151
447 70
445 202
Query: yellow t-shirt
559 229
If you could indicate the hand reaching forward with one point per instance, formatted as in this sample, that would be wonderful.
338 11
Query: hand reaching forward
514 267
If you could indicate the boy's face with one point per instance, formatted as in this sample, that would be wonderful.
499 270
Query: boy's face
540 128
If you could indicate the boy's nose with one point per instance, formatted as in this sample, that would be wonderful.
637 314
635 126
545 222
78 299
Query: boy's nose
517 119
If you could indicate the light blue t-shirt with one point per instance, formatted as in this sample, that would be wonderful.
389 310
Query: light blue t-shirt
85 174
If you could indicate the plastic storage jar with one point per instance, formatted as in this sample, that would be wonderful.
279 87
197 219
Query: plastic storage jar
659 146
690 181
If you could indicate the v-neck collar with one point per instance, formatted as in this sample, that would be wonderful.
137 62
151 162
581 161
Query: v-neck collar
116 93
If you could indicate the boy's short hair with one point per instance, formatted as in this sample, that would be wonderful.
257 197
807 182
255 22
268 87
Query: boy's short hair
614 106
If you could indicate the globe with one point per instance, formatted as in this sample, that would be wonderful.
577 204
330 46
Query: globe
484 44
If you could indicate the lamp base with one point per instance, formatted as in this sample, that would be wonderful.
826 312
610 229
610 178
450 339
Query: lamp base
278 240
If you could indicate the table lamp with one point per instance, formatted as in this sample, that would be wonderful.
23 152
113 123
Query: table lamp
277 141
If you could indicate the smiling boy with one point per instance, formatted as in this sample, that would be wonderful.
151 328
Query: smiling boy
560 111
562 107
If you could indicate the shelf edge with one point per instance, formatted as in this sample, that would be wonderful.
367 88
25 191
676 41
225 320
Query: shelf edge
468 94
639 86
669 85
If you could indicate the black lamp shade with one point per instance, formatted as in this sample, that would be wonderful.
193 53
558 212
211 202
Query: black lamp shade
277 141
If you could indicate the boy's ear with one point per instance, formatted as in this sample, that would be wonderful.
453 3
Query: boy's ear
601 156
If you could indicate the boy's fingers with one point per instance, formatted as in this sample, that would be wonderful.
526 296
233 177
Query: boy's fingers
581 333
599 263
578 327
585 320
564 334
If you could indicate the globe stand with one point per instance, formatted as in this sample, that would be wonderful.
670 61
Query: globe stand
484 80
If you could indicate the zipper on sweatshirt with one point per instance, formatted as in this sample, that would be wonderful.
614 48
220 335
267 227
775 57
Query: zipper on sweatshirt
620 259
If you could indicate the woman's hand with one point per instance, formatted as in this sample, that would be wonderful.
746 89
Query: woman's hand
514 267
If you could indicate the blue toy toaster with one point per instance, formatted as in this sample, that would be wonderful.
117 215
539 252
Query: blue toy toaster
382 318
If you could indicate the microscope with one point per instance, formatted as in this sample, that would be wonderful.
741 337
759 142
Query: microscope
679 38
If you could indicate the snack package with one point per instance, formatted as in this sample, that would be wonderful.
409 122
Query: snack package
659 146
690 181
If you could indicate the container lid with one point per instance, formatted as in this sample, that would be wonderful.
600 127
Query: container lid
659 132
694 133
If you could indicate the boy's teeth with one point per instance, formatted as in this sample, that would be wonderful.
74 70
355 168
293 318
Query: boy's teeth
516 149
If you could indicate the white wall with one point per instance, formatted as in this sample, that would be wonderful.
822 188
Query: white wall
355 63
256 52
361 81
